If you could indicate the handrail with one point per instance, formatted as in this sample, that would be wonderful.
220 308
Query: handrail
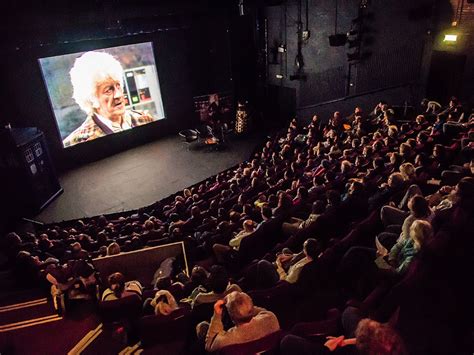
355 95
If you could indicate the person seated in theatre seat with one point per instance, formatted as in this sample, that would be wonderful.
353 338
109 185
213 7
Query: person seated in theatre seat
371 337
217 286
250 323
287 267
76 278
295 225
76 252
119 288
163 304
97 80
222 251
361 267
113 249
187 284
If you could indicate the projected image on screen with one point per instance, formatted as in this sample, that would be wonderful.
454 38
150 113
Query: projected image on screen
101 92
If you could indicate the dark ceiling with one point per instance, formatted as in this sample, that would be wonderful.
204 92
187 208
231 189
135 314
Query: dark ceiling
33 22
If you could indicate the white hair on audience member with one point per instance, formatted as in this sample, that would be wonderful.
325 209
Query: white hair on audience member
88 71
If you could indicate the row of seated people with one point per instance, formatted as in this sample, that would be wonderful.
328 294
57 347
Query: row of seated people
235 320
164 302
337 172
134 235
420 234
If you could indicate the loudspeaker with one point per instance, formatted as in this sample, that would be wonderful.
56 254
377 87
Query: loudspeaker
30 181
337 40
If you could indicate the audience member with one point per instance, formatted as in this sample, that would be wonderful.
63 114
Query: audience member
119 288
250 322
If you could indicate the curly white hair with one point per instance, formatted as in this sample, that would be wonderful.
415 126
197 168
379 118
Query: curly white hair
88 71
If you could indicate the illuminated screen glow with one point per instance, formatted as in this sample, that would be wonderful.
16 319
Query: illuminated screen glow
103 91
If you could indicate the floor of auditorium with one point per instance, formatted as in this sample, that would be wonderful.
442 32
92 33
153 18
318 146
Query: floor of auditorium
140 176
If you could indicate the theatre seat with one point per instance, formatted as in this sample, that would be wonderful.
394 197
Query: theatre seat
167 332
125 308
321 328
267 345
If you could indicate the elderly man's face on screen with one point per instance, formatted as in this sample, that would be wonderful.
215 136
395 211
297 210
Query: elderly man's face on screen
110 99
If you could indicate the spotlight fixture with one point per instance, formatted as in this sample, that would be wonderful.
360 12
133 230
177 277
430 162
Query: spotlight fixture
279 76
241 8
352 32
451 38
299 61
281 48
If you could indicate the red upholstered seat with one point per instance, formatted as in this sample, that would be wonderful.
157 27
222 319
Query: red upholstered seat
171 329
125 308
324 327
267 345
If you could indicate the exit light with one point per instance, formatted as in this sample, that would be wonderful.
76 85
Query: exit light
450 38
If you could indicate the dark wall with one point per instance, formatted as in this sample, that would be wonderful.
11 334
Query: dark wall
192 53
451 67
400 95
397 40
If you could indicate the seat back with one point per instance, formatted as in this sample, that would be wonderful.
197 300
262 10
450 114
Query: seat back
165 329
271 231
269 344
275 298
251 247
125 308
202 312
260 242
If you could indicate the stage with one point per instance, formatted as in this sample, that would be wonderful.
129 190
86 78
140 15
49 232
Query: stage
140 176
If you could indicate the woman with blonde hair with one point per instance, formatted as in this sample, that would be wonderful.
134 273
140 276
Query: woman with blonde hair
360 270
113 249
164 303
420 231
408 171
403 252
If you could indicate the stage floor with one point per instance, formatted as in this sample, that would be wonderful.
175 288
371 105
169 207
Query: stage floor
140 176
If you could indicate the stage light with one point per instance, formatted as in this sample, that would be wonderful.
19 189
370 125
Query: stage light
241 8
450 38
352 32
279 76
